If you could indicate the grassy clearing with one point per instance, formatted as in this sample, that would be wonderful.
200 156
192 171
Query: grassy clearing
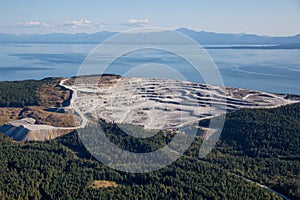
97 184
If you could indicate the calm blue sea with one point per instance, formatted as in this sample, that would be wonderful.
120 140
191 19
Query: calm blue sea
275 71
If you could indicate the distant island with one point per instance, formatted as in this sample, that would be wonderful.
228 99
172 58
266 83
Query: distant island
202 37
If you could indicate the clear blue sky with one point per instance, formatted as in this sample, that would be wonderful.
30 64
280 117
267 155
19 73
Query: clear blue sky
264 17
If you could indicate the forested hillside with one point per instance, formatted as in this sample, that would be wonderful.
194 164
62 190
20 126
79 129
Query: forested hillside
32 93
262 145
61 169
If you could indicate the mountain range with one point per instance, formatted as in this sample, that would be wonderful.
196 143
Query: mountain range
202 37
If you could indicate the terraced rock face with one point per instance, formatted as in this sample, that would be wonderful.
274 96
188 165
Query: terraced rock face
152 103
162 104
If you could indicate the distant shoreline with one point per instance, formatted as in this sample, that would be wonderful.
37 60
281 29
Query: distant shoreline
204 38
205 46
266 47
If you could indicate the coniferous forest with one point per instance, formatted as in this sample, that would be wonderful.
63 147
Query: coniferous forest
261 145
20 93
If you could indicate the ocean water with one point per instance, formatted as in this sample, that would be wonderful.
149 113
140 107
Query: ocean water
276 71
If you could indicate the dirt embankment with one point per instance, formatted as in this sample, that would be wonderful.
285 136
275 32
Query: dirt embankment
9 114
50 95
54 95
48 118
39 114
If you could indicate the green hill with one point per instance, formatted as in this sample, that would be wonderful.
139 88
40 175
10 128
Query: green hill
262 145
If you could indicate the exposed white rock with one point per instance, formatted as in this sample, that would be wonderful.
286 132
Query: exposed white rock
151 103
26 129
161 103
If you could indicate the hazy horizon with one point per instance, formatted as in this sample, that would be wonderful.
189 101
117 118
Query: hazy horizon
198 31
267 17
